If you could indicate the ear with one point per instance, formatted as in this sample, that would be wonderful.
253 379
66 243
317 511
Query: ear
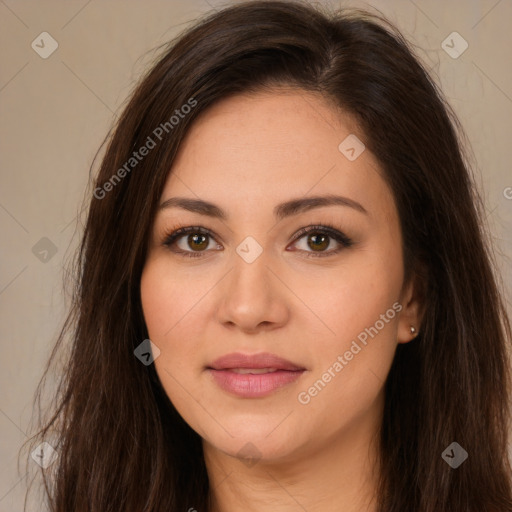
412 300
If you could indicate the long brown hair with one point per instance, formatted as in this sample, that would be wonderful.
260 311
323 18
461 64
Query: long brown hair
121 443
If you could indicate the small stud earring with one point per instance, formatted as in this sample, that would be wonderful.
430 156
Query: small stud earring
413 331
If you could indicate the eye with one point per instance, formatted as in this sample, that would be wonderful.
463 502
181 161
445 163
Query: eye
191 241
317 239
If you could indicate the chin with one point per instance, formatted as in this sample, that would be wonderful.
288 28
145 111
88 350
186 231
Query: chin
255 442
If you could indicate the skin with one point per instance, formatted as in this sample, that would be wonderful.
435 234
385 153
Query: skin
246 154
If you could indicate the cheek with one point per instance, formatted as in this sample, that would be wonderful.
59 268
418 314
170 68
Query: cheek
170 300
169 311
350 372
173 316
361 309
342 302
156 298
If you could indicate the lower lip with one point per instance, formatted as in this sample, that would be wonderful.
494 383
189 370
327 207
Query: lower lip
250 385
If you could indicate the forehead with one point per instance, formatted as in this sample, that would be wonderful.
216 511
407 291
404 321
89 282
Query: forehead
255 148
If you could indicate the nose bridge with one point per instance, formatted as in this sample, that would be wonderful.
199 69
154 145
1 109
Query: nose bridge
252 295
251 274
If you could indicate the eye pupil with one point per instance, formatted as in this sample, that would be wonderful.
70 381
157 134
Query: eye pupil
197 241
318 241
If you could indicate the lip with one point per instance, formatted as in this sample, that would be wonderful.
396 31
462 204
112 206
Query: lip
252 385
262 360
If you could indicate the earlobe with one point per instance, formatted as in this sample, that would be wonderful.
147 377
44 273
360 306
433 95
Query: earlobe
406 332
412 312
414 332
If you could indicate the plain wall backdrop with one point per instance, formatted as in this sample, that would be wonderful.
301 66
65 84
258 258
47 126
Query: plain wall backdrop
55 112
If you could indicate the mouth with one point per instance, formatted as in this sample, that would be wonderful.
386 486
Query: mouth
253 376
252 371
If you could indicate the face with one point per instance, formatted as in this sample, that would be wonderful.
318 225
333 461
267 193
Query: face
294 265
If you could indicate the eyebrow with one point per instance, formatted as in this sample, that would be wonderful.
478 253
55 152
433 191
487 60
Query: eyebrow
286 209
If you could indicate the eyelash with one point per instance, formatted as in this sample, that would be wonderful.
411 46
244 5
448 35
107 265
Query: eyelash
325 229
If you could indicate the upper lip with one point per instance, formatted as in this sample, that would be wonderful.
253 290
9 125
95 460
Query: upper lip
253 361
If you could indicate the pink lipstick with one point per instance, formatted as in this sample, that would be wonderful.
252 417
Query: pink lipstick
253 376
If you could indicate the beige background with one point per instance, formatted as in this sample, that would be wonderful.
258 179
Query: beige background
55 112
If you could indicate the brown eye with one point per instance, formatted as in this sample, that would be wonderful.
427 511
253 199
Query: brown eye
191 241
197 241
315 240
318 242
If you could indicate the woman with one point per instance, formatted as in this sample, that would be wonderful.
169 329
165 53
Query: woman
286 296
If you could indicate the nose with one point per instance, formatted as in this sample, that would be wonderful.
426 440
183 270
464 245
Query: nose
252 298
